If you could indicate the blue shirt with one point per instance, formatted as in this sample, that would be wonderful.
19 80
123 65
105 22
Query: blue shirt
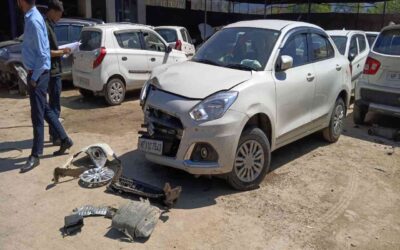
35 47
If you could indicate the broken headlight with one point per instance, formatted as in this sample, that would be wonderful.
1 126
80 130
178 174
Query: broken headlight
213 107
146 89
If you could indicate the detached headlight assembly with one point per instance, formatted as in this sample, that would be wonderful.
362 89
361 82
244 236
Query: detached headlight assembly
145 90
213 107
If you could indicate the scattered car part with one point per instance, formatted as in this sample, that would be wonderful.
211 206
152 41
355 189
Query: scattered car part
89 210
72 224
136 219
129 186
105 165
388 133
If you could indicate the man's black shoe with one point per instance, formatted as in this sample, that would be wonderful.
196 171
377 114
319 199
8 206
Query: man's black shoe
30 164
65 145
56 142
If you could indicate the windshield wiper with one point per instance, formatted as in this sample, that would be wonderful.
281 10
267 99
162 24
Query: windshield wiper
206 61
239 66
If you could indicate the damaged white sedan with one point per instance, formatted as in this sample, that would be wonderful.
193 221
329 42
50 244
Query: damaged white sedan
253 87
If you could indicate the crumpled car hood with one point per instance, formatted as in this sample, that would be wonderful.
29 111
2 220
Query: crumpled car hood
197 80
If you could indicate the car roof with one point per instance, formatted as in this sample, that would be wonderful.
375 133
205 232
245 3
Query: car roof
86 22
169 27
271 24
343 32
392 27
122 26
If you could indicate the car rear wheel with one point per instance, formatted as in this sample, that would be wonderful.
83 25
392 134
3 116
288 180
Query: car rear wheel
359 113
86 93
336 124
115 92
252 160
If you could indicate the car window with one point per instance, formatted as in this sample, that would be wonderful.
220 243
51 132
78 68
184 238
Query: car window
353 46
388 42
371 39
61 34
129 40
90 40
362 43
340 42
242 48
183 35
321 47
169 35
75 33
297 48
189 38
153 42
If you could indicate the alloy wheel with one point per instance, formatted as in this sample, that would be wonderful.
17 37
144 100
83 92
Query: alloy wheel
249 161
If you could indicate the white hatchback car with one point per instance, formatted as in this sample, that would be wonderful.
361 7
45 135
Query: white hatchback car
379 87
354 45
114 58
177 37
253 87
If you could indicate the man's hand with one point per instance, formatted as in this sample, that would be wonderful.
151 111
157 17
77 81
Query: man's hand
32 83
66 51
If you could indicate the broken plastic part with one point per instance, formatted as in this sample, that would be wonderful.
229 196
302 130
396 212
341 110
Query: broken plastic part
90 210
72 224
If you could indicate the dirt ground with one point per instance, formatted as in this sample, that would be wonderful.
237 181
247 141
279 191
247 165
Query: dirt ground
317 195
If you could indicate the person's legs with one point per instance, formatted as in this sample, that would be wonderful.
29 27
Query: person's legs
55 87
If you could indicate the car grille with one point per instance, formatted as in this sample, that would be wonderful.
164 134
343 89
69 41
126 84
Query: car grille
380 97
164 127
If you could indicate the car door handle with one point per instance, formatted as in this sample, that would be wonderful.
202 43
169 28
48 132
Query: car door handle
124 58
152 59
310 77
338 67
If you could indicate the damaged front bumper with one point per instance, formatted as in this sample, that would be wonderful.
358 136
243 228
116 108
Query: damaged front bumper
200 148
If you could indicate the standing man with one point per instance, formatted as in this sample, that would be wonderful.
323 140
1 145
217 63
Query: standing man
36 58
54 12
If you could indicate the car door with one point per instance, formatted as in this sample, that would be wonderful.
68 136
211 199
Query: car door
190 47
363 52
156 50
73 37
356 69
327 76
132 58
295 89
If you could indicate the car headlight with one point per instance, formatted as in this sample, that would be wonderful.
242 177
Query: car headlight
145 91
213 107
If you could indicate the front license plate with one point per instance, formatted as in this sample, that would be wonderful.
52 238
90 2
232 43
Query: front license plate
151 146
393 76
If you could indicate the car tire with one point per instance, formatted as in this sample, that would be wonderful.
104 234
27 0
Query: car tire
114 92
22 88
359 113
249 170
336 124
86 93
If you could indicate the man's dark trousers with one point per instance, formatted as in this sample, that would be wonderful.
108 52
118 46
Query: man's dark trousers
40 111
55 87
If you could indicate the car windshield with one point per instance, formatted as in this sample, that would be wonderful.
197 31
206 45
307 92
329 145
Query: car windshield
388 42
90 40
371 39
169 35
340 42
239 48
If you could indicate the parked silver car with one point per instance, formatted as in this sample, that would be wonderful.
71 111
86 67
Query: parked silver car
253 87
379 88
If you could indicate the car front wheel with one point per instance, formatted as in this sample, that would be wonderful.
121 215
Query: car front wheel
335 128
115 92
252 160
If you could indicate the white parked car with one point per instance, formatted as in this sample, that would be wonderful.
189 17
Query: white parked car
253 87
178 38
379 88
115 58
354 45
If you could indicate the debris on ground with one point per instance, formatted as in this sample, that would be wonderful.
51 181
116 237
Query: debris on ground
89 210
104 164
72 224
136 219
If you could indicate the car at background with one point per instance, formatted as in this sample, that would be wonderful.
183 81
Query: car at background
353 45
253 87
379 88
371 37
114 58
177 37
12 70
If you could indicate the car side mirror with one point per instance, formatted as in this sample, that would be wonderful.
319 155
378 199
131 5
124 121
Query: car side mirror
351 57
169 48
285 62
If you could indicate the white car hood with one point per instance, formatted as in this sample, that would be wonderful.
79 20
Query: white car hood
197 80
